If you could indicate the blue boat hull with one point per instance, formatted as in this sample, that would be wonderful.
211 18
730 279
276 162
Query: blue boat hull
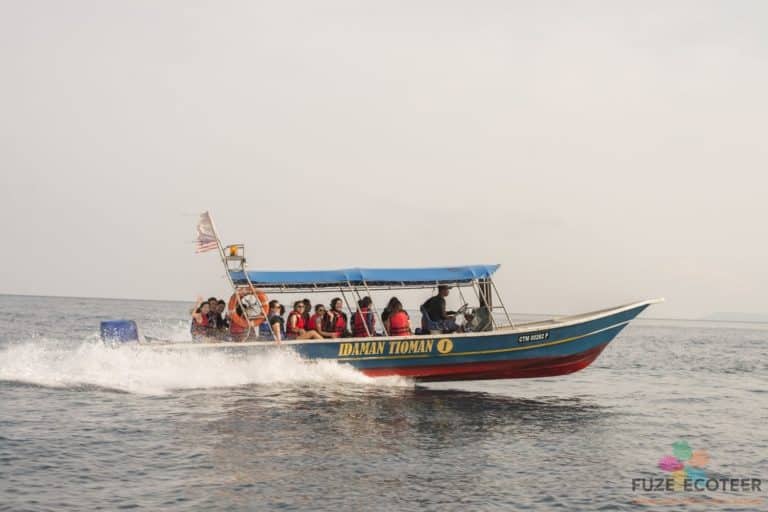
542 349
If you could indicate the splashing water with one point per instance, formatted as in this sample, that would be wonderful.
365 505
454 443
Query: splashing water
150 371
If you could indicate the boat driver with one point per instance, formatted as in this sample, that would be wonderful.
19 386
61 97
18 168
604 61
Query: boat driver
435 309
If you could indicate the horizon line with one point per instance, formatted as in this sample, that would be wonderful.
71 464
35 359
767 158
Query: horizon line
548 315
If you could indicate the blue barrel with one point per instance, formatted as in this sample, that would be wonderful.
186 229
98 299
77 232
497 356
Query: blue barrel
119 331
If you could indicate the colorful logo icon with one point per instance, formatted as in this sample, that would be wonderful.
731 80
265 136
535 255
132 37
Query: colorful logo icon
685 464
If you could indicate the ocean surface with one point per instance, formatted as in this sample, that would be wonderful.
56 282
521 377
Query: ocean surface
86 427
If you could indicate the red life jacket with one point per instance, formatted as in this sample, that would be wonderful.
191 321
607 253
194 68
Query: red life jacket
199 329
238 325
338 324
315 322
361 318
294 331
335 323
398 324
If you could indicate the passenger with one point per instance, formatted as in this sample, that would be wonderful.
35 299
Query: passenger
222 308
388 310
363 323
336 319
275 319
318 321
295 328
307 311
398 323
212 304
239 321
200 327
435 308
215 320
239 325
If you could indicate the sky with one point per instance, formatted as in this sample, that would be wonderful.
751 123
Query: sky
601 152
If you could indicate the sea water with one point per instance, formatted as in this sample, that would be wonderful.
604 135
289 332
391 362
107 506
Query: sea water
87 427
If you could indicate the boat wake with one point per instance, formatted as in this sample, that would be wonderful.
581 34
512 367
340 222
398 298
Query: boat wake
135 370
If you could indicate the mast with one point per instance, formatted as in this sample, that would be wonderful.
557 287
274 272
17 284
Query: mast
237 254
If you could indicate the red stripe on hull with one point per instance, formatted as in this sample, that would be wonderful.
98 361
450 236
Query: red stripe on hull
512 369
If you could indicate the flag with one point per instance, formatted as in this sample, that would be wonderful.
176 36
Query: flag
206 237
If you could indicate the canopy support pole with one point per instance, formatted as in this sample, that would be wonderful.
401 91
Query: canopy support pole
503 307
375 311
461 294
352 322
486 299
344 296
232 283
226 268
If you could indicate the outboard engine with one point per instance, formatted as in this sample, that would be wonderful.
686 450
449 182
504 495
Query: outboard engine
114 332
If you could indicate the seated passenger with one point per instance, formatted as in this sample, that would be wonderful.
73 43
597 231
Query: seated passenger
213 303
218 325
221 310
336 319
318 320
388 310
363 323
274 326
434 307
200 327
294 329
398 323
307 311
239 325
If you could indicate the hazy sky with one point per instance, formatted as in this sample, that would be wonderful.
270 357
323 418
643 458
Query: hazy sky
602 152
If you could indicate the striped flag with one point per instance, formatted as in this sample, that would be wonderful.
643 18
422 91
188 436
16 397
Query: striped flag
206 237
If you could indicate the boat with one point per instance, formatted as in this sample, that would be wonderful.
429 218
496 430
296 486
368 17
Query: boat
492 348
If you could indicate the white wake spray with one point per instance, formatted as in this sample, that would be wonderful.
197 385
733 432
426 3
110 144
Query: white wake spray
151 371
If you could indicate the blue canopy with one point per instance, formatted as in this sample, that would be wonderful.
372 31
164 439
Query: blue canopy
361 276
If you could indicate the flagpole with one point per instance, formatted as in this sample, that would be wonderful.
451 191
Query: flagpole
220 248
223 257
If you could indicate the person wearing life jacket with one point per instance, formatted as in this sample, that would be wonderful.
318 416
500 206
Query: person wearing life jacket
307 312
200 326
388 310
295 325
317 322
336 320
398 323
363 323
240 326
